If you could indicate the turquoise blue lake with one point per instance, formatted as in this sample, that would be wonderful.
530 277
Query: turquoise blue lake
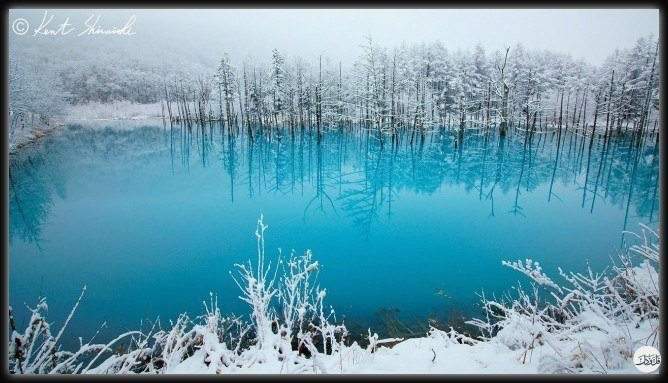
152 219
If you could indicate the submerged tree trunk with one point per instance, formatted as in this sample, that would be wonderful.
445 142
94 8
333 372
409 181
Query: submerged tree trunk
648 96
503 127
607 118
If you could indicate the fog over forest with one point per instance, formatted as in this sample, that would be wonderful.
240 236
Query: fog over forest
588 34
419 67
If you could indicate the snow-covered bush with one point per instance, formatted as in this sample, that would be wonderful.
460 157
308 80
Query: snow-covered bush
37 351
593 322
291 330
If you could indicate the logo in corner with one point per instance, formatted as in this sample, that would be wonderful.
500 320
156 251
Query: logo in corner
647 359
20 26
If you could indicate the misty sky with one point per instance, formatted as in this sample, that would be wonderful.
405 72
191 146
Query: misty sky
337 33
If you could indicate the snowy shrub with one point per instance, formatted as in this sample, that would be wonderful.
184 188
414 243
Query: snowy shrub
591 323
533 271
292 336
37 351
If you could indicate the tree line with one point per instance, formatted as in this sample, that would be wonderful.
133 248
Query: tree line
421 87
413 88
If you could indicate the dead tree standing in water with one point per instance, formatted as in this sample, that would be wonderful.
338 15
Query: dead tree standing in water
503 127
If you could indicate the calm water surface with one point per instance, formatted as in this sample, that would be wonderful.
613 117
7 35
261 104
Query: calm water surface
152 219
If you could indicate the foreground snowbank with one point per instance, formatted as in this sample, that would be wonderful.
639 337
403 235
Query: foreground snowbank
437 353
592 323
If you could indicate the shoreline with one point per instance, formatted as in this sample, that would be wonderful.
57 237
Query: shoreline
41 132
32 137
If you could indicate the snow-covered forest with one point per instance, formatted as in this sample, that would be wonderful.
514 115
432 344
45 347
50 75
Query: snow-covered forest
407 87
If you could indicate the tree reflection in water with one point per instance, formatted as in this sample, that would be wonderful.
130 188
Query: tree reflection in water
350 173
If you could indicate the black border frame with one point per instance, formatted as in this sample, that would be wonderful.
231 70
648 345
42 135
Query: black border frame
250 4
